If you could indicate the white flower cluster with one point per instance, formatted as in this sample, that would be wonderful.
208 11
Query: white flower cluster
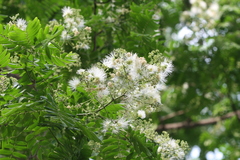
130 76
136 85
75 32
200 20
19 22
170 148
114 12
124 74
115 125
203 15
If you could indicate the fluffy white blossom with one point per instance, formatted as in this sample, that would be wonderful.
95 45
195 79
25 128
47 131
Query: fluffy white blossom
80 22
151 93
203 4
102 91
152 68
135 65
67 11
75 29
85 46
109 61
167 65
65 35
141 114
172 143
95 72
21 23
201 19
74 83
115 125
130 84
122 123
80 71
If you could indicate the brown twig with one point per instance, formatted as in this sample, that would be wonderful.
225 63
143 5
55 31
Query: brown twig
171 115
189 124
101 108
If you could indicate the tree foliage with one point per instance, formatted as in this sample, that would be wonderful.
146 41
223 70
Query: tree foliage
50 112
42 117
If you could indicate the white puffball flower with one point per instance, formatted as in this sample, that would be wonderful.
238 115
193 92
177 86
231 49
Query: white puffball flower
80 71
97 73
80 22
152 68
67 11
106 125
86 47
181 154
172 143
151 92
102 91
161 86
193 1
196 10
69 22
203 4
65 35
141 114
74 83
21 23
122 123
109 61
159 149
168 66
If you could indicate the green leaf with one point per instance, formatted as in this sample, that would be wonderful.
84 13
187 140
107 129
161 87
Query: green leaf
29 137
25 79
33 29
48 53
7 158
111 110
139 144
58 61
114 140
5 152
40 36
114 107
19 37
4 58
19 155
40 154
88 133
57 30
110 147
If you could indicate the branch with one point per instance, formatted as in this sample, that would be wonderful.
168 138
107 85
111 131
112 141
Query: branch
229 86
12 75
100 108
171 115
189 124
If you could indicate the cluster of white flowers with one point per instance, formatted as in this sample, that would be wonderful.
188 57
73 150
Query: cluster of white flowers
203 15
124 73
114 12
19 22
170 148
200 20
75 32
135 84
115 125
